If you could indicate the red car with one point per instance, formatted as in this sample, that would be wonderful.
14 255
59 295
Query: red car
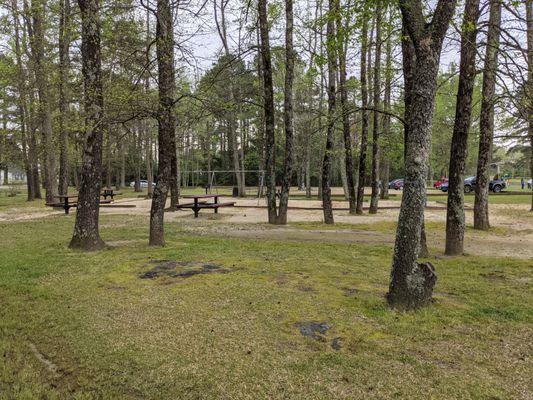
439 183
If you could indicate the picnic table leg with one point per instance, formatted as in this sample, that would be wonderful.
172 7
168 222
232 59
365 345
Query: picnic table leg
66 205
216 202
195 208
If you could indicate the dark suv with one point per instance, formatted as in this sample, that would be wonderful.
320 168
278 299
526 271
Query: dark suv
495 185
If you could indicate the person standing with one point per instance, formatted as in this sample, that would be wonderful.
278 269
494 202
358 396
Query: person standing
523 183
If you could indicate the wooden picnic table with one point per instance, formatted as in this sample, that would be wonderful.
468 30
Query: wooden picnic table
200 202
108 192
66 204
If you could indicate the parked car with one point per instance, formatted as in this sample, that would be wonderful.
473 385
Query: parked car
495 185
143 183
396 184
440 182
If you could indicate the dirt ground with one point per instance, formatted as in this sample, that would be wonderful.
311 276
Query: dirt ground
510 236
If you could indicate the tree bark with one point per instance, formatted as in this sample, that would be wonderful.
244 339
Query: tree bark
377 103
389 72
288 115
412 283
22 102
37 42
86 235
486 118
343 38
174 182
166 119
455 214
269 117
409 67
529 16
64 44
122 165
149 160
364 118
332 76
108 169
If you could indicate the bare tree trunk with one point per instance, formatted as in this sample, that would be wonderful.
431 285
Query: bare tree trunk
389 72
323 83
328 153
409 66
64 44
343 36
377 100
364 118
241 158
86 235
149 160
344 178
455 213
486 118
108 179
529 16
232 131
308 188
22 99
269 117
174 183
412 283
261 119
122 165
288 114
37 42
166 119
385 173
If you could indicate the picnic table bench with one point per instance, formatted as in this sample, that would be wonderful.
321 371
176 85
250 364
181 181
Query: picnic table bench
108 192
200 202
66 202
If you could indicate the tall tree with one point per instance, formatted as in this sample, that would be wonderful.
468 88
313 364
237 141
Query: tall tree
64 45
364 116
389 72
166 119
232 129
455 214
22 101
412 283
529 16
37 42
288 114
377 99
268 109
86 235
146 124
331 49
486 118
343 39
408 66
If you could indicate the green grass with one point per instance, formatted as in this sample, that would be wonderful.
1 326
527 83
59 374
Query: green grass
232 336
7 200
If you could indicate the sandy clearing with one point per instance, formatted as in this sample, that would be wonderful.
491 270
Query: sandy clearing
515 240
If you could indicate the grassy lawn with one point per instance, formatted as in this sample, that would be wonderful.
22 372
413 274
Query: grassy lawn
232 333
